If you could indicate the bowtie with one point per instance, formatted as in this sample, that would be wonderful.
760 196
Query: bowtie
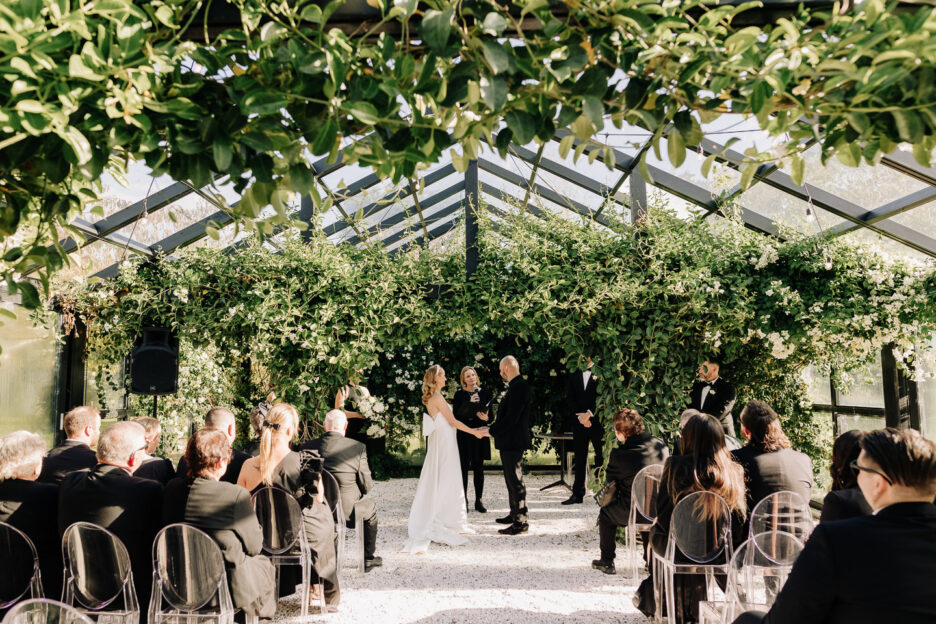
708 383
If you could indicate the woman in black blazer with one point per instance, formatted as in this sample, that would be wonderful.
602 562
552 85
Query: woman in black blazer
224 511
468 406
844 499
638 449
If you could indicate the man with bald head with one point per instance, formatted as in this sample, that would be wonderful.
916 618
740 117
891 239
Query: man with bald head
511 433
109 496
221 419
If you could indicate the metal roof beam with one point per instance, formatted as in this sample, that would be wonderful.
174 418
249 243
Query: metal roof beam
569 175
194 232
886 211
504 196
435 218
907 165
403 214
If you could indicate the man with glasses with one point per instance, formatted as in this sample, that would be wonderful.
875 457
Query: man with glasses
876 568
109 496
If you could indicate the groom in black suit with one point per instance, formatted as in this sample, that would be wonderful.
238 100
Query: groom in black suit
714 395
511 433
581 395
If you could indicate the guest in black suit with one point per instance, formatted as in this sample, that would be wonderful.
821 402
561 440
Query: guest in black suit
153 468
705 465
278 466
875 568
468 407
346 460
31 506
82 427
638 450
224 511
581 395
222 419
511 433
714 395
770 465
110 496
844 499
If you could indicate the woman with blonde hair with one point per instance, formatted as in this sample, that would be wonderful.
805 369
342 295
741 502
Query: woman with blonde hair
471 405
279 466
438 514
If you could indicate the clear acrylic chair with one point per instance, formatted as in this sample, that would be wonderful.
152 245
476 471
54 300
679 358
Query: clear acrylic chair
782 511
700 532
98 577
333 498
189 579
284 538
644 490
20 567
757 572
45 611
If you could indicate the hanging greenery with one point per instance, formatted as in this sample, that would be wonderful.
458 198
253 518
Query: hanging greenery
648 303
89 85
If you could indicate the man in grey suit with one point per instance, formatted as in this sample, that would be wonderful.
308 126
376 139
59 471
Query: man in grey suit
346 460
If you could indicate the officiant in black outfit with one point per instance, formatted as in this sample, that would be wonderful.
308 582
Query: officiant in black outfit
471 405
715 395
581 394
511 433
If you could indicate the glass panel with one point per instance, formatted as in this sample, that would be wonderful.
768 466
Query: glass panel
922 219
28 374
820 391
821 467
847 422
863 387
720 179
927 392
787 210
889 248
98 390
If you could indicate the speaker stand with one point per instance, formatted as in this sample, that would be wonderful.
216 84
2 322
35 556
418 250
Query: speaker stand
154 406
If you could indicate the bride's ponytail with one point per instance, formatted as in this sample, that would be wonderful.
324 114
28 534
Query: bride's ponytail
429 381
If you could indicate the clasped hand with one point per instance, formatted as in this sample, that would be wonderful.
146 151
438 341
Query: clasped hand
481 432
482 415
585 418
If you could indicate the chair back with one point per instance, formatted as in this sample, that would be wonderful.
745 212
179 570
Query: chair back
45 611
332 495
782 511
701 527
760 567
187 567
280 517
644 490
20 566
97 566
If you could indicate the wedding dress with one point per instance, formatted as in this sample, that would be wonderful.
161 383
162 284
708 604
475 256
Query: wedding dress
438 512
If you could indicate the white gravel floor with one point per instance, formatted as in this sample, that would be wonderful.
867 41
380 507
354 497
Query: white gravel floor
543 576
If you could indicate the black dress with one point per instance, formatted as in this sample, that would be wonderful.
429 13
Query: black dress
320 533
844 503
472 451
156 469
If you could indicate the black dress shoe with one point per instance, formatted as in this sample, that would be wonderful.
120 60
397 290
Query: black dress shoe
515 529
505 520
573 500
479 507
370 564
605 566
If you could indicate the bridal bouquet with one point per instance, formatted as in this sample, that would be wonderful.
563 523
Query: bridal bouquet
374 410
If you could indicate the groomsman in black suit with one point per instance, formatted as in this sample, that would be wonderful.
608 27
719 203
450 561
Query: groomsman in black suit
714 395
511 433
581 395
82 427
221 419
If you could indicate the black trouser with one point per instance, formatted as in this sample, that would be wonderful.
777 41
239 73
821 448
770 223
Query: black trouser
469 453
581 436
516 491
609 519
368 510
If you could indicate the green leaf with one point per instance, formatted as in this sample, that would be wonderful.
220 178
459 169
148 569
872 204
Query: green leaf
28 294
79 151
365 112
326 137
435 28
221 152
302 179
565 145
313 63
263 102
496 56
923 154
594 110
798 169
533 5
493 92
311 13
494 24
78 69
707 164
166 16
10 314
523 126
748 170
676 149
212 232
909 125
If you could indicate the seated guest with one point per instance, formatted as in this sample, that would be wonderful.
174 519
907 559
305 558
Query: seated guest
82 427
346 460
280 467
875 568
705 465
683 419
770 465
31 506
224 511
111 497
638 450
153 468
257 414
844 499
223 420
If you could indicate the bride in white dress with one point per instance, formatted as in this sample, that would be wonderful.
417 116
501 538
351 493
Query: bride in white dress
438 512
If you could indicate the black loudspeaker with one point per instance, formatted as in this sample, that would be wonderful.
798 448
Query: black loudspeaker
154 363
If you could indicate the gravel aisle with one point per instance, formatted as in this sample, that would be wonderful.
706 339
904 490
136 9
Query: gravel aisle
543 576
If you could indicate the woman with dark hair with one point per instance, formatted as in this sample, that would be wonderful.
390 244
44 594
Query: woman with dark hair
637 450
471 405
223 510
770 465
844 499
704 465
279 466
